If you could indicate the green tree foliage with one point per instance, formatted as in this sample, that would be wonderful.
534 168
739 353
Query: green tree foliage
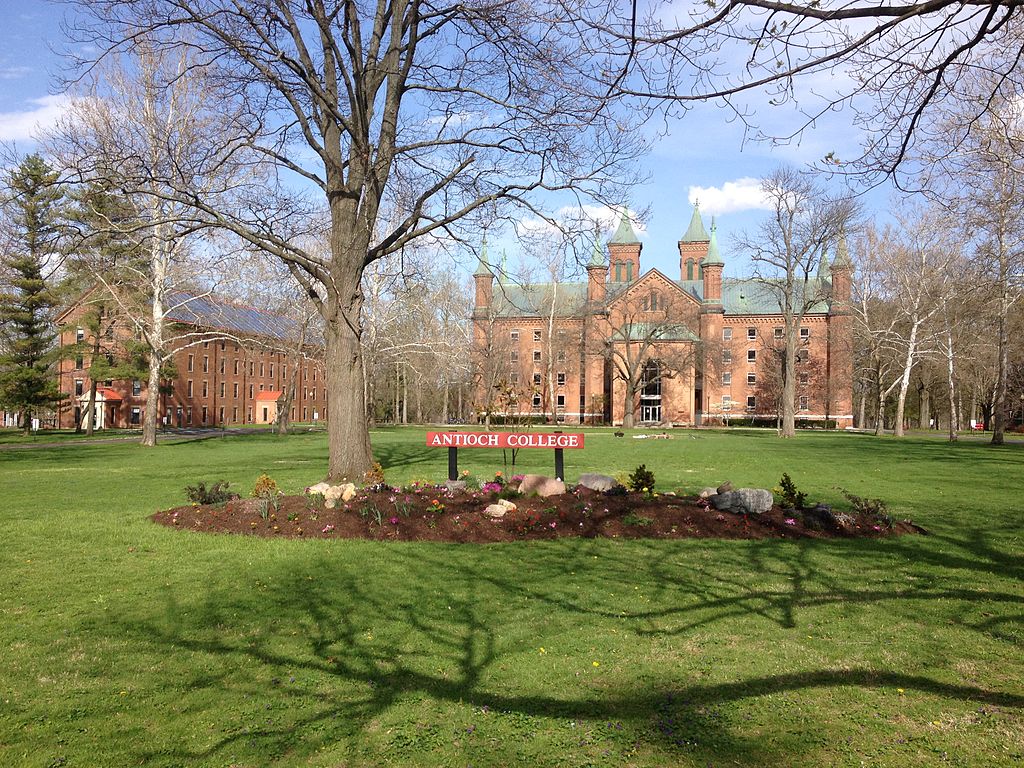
32 203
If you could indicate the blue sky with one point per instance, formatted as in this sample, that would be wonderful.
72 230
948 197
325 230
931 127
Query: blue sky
700 155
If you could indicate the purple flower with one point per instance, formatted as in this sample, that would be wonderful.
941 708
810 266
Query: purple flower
394 521
790 521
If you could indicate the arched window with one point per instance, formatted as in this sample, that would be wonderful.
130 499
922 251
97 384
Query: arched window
689 270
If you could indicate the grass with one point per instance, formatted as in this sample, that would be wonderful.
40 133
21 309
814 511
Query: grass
125 643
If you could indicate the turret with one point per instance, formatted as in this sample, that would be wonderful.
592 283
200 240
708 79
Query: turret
693 247
597 271
484 280
624 251
841 271
711 273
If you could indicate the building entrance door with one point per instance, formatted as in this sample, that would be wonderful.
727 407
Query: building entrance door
650 393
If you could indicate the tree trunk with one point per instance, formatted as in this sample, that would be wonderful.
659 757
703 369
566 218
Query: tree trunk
444 402
788 428
347 435
861 408
951 385
880 417
999 401
908 366
925 408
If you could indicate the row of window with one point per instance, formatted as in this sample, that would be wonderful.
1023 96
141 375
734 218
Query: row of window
559 379
252 367
805 333
802 356
514 356
234 390
805 403
537 335
752 378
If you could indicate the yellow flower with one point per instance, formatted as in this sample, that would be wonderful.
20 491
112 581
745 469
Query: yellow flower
597 663
542 650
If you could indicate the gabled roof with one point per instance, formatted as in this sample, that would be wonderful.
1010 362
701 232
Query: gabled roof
616 291
269 394
534 299
219 314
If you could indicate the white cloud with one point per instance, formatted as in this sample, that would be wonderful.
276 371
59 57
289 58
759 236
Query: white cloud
740 195
14 73
576 217
27 124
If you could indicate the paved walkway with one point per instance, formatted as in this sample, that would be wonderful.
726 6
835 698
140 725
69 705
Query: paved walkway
170 435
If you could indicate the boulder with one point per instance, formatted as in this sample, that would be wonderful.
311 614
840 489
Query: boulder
508 505
743 501
541 485
320 488
724 487
335 493
597 482
495 511
707 493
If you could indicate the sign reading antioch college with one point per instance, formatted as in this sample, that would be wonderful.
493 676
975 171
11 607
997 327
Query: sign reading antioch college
504 440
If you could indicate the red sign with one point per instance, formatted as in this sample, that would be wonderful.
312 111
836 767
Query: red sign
504 440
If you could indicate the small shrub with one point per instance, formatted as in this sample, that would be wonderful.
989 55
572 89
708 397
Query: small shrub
791 497
217 493
265 487
374 476
874 508
634 519
641 479
263 507
616 490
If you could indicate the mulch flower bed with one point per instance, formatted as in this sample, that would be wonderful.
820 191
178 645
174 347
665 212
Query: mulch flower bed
431 513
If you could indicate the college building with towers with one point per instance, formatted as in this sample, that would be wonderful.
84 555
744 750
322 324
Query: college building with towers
628 346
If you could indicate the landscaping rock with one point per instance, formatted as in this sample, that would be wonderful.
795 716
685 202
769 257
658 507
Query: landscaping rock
455 486
508 505
495 511
335 493
597 482
320 488
541 485
724 487
707 493
743 501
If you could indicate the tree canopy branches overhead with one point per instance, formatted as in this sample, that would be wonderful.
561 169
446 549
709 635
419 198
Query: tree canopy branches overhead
895 64
398 121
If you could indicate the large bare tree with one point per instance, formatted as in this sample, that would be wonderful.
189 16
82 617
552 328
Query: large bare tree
415 112
786 251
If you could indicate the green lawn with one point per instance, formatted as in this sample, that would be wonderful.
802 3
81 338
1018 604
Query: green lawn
122 643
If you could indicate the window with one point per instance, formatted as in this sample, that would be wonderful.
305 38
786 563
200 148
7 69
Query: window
206 345
804 402
727 378
222 387
751 355
314 373
751 402
79 363
513 377
560 401
536 355
80 335
206 388
805 334
804 378
204 415
751 378
514 334
304 412
250 391
136 387
271 370
189 387
561 357
222 361
220 413
188 414
536 379
727 334
236 366
191 363
726 403
234 387
222 345
536 335
136 415
312 395
561 379
536 402
236 347
206 364
751 333
802 355
234 415
79 387
252 367
514 356
726 356
261 387
261 368
778 333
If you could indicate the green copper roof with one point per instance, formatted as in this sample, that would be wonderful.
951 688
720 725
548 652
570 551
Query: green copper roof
714 258
534 300
824 273
842 258
624 235
696 233
482 270
654 332
597 252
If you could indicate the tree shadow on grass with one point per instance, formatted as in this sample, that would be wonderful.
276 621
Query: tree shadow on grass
430 625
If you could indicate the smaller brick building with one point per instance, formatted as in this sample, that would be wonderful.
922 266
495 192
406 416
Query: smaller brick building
233 363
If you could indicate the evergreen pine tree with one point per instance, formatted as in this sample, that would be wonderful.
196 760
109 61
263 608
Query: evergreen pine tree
32 202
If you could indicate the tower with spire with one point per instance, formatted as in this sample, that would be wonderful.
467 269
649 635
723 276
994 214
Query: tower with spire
597 271
693 247
484 280
624 251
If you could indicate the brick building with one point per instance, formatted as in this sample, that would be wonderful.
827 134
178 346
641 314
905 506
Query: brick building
696 349
233 363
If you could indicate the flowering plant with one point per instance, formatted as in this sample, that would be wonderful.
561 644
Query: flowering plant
435 506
